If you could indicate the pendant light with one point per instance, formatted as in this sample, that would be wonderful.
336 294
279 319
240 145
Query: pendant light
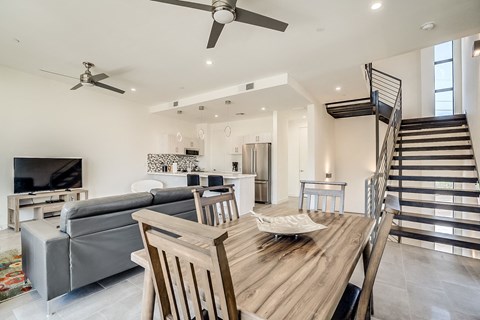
228 129
179 134
201 133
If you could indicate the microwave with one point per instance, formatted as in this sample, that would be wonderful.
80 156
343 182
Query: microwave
192 152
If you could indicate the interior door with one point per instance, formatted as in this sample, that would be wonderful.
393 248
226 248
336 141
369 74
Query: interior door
303 152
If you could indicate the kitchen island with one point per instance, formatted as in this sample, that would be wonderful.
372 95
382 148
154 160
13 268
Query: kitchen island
244 185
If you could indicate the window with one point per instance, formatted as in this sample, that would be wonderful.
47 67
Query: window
444 79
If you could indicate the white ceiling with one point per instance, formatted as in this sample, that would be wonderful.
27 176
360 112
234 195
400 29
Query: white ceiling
160 49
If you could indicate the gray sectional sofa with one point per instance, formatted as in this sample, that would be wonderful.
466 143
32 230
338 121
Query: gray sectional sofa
94 239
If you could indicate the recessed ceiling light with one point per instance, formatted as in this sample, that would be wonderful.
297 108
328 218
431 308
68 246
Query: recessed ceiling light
376 5
240 113
209 62
263 108
216 116
338 88
427 26
304 117
133 89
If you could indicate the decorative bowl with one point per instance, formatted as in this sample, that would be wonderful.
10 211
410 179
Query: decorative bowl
287 225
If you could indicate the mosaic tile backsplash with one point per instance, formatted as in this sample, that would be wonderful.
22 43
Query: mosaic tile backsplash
155 161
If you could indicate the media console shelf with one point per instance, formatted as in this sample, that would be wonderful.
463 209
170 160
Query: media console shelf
40 203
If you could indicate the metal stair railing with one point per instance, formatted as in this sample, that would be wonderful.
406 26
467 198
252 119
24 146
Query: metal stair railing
376 185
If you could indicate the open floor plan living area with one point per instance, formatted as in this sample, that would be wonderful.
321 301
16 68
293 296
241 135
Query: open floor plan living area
224 159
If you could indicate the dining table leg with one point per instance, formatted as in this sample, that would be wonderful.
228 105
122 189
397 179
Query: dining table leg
148 300
366 258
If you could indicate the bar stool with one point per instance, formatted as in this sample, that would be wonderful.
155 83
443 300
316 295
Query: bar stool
193 180
216 180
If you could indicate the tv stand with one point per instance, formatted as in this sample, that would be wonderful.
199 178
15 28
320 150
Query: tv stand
44 204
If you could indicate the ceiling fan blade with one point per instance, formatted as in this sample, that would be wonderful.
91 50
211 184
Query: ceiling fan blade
106 86
76 87
99 77
214 34
256 19
193 5
58 74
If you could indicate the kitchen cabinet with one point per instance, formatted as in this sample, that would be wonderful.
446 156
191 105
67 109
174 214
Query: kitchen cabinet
258 138
236 145
169 144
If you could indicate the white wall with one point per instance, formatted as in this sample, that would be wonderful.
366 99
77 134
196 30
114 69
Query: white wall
355 157
471 91
406 67
43 118
279 157
321 143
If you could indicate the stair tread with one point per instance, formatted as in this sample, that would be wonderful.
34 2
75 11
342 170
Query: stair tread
460 116
452 239
432 132
434 167
436 157
465 207
434 148
432 125
438 220
427 140
435 178
465 192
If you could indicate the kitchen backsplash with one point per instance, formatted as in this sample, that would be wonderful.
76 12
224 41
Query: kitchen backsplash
155 161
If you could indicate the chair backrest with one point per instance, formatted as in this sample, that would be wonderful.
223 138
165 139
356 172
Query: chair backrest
193 180
216 209
375 257
311 189
190 268
146 185
215 180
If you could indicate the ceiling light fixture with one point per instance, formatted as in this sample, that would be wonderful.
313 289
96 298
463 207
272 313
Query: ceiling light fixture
427 26
476 49
209 62
133 89
216 116
338 88
376 5
263 108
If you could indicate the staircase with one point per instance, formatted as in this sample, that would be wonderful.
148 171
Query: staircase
384 90
434 159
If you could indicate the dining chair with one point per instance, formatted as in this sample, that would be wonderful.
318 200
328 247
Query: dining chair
310 188
188 265
355 302
193 179
217 209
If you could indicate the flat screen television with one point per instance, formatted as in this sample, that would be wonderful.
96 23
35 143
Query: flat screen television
46 174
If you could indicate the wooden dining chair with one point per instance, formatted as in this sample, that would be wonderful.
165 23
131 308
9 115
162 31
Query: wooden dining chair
188 264
355 302
311 190
216 209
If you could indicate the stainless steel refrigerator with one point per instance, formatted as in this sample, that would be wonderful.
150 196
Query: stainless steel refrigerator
256 159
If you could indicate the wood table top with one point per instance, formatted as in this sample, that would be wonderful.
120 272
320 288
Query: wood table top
294 278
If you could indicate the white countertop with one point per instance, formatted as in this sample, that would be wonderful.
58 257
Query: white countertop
226 175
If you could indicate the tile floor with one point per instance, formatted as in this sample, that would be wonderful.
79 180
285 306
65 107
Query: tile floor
412 283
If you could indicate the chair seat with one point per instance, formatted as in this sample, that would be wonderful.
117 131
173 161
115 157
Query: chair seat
347 307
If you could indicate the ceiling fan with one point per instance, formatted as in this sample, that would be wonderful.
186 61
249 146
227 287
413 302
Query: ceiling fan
226 11
87 79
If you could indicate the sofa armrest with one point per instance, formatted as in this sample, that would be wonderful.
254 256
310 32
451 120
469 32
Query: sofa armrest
45 258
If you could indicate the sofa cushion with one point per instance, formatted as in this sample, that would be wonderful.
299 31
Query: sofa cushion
99 206
167 195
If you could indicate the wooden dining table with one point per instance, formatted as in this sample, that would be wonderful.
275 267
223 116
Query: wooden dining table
287 277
